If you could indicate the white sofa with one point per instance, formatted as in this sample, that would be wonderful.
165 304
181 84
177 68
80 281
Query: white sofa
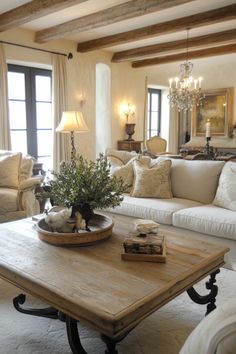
190 211
17 197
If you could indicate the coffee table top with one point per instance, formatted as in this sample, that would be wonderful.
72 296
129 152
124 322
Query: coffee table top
92 283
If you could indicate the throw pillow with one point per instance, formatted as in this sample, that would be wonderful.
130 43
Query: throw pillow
9 170
26 167
226 191
152 182
125 171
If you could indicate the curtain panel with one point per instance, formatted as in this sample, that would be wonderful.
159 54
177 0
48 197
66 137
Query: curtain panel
5 141
61 141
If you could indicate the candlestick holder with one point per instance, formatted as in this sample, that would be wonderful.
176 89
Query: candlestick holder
208 148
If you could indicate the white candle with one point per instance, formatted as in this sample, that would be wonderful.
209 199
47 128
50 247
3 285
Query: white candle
200 82
208 129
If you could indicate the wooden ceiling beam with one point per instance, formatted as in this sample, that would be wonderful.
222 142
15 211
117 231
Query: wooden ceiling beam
209 52
127 10
225 13
33 10
200 41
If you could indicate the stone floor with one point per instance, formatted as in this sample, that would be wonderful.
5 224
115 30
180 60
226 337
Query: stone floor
163 332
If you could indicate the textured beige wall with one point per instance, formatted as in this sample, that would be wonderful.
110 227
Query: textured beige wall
127 84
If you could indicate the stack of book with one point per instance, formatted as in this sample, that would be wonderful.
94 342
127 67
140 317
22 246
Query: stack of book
149 248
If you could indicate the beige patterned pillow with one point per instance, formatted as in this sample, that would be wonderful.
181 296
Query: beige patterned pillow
9 170
152 182
226 191
126 171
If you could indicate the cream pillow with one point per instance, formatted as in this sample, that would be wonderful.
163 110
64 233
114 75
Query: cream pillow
9 170
152 182
226 191
125 171
26 167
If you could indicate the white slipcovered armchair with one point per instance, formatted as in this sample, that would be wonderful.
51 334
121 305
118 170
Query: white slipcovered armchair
215 334
17 197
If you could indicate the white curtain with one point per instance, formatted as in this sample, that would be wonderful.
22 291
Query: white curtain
5 141
173 131
61 141
145 108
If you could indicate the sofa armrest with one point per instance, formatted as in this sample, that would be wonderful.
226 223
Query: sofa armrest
30 183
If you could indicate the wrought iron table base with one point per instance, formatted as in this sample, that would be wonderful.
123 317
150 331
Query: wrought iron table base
71 324
208 299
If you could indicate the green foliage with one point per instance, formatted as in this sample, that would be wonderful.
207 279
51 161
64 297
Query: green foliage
86 182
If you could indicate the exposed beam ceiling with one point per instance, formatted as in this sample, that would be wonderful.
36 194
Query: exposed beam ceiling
201 19
33 10
150 50
221 50
111 15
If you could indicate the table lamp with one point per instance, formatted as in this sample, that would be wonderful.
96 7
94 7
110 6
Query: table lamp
72 121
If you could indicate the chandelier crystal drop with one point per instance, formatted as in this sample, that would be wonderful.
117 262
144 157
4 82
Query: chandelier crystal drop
185 91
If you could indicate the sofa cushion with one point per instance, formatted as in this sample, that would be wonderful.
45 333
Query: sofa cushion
195 180
207 219
159 210
215 334
9 170
8 198
152 182
226 191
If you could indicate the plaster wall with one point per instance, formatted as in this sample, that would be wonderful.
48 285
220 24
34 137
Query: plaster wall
127 84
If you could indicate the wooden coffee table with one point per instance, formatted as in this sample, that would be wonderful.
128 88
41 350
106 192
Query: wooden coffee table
94 286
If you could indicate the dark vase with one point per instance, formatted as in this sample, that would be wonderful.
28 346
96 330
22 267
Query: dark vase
129 129
86 212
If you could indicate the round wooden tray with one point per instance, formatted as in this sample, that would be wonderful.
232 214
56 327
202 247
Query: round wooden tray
100 226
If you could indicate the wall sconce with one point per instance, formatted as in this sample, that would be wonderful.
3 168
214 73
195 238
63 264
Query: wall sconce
81 99
128 110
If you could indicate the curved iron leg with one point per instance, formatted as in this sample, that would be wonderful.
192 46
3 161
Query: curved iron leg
111 345
208 299
49 312
73 336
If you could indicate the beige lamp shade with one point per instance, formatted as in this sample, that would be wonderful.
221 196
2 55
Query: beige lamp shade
72 121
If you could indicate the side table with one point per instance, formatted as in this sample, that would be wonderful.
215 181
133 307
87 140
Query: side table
129 145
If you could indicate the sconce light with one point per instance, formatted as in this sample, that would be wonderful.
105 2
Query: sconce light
81 99
128 110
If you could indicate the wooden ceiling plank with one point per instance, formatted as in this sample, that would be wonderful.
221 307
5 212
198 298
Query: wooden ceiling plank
225 13
199 41
209 52
127 10
33 10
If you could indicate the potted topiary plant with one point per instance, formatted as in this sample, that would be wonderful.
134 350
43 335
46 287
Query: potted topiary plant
85 186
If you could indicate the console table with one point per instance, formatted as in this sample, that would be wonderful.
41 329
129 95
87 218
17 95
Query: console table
129 145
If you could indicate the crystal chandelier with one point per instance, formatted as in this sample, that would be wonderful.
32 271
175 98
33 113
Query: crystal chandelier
185 91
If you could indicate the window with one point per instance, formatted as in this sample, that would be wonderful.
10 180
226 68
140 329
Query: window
154 112
30 107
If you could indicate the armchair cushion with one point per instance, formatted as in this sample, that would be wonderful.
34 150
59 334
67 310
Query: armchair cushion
9 200
30 183
9 170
